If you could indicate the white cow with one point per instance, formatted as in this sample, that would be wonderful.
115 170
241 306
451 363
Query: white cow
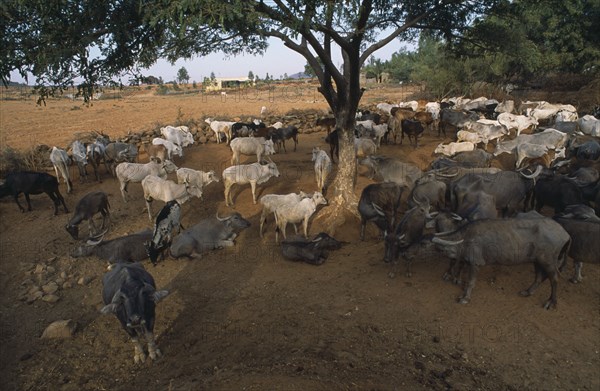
452 149
589 124
258 146
518 122
60 160
322 167
172 148
242 174
221 127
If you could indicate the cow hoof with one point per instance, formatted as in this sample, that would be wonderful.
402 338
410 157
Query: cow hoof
575 280
447 276
139 358
525 293
549 304
408 274
156 354
463 300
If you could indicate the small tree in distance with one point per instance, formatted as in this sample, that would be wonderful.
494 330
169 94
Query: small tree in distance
182 76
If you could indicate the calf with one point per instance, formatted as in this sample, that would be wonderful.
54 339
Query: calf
129 292
379 203
166 190
78 151
30 182
86 208
334 144
296 212
313 251
270 202
328 123
167 220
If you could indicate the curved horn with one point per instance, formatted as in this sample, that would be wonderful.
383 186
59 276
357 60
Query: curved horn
537 172
456 217
377 209
445 242
221 219
94 240
416 201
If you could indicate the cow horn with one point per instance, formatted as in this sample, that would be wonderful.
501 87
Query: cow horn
446 242
378 209
537 172
456 217
221 219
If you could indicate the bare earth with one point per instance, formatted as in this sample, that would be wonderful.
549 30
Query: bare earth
245 318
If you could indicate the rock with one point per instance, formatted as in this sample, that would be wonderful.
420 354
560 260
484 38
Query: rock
63 275
34 296
67 285
50 298
60 329
50 288
34 289
39 268
84 280
59 281
202 140
50 269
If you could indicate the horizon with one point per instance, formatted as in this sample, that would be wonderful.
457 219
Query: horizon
277 61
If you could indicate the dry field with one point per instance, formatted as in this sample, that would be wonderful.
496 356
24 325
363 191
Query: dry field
243 317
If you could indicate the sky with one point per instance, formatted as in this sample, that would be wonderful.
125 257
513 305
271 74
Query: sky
277 61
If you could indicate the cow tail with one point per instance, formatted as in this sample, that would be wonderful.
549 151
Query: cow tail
563 254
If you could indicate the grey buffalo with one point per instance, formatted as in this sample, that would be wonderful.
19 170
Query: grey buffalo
313 251
527 239
129 248
209 234
129 292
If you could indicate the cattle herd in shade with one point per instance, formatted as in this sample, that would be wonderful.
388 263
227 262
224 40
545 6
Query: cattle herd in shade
470 204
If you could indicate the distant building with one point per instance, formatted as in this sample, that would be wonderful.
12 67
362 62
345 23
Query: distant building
229 82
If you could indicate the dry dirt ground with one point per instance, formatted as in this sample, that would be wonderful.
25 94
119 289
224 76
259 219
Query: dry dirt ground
245 318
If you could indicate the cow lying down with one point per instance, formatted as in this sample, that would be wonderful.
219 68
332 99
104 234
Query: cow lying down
209 234
313 251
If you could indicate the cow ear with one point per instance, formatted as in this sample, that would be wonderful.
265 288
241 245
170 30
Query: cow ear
159 295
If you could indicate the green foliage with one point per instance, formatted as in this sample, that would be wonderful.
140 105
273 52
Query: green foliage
183 76
250 75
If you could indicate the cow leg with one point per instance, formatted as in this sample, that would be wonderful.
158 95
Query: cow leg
149 209
453 272
153 350
253 185
124 190
305 226
263 219
92 226
18 204
539 277
28 202
363 224
408 262
466 297
138 353
551 302
577 277
295 143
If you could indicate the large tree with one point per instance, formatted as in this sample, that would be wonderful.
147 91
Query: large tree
98 40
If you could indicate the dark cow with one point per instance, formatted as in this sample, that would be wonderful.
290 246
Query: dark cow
584 228
334 143
313 251
209 234
30 182
556 191
282 134
475 158
412 129
477 205
129 248
379 203
86 208
245 129
408 232
328 123
455 119
129 292
510 189
168 219
530 238
428 187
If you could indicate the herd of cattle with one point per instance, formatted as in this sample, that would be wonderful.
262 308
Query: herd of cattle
473 212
